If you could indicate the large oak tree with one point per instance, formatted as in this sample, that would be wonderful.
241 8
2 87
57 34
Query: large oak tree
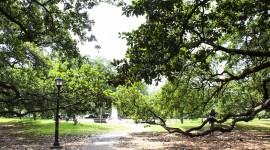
208 46
34 35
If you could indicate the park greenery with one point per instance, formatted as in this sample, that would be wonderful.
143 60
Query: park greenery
42 127
212 53
38 44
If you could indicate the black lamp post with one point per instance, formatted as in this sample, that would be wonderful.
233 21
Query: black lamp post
56 144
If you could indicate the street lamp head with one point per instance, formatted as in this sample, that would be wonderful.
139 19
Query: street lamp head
59 82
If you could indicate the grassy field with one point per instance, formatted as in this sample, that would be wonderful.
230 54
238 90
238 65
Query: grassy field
262 125
46 127
39 134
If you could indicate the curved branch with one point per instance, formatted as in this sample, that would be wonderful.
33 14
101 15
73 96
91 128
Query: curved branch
186 22
44 7
18 114
16 22
222 73
218 89
245 73
251 53
247 116
26 113
189 17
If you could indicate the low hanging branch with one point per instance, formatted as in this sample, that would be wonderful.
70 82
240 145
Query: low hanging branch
244 74
195 132
246 116
251 53
26 112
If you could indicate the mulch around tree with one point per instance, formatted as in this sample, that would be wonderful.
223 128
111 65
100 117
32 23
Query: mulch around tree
217 141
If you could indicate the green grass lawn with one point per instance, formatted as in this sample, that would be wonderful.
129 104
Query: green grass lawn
262 125
47 127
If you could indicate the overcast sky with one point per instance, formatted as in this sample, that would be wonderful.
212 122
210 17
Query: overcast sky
108 23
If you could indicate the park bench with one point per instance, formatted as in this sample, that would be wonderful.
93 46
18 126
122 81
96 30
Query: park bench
97 120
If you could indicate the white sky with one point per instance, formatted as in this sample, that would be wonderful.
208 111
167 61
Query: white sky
108 23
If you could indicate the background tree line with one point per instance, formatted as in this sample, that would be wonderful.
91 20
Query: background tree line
38 44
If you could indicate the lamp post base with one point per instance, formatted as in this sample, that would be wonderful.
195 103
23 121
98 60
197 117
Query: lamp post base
56 147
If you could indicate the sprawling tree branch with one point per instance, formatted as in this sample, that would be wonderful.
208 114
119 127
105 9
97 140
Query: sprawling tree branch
251 53
186 23
245 73
246 116
31 110
12 19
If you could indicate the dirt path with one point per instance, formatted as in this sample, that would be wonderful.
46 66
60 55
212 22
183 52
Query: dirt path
137 139
218 141
110 140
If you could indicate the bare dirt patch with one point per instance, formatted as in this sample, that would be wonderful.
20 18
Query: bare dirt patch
12 139
28 142
229 141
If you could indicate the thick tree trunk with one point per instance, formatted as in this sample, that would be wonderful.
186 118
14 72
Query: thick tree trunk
182 120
